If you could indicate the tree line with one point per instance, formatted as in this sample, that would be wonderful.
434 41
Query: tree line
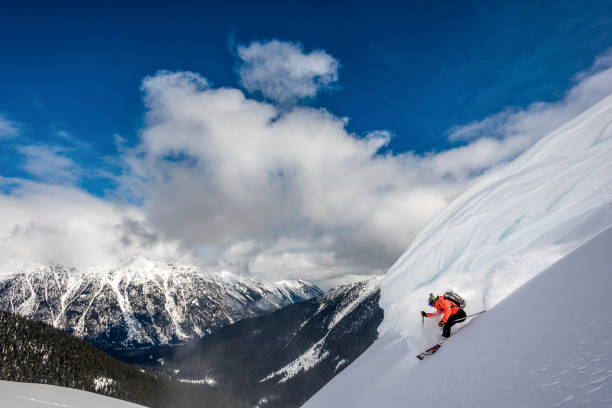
35 352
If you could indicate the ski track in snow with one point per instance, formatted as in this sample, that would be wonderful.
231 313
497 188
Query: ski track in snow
38 401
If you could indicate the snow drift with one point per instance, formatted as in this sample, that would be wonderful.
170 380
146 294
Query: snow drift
506 229
25 395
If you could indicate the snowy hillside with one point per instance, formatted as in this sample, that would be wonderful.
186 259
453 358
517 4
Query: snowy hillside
512 224
506 229
25 395
549 344
141 302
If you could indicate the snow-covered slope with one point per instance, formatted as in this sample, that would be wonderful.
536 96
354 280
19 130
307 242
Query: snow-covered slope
548 344
141 302
511 225
25 395
506 229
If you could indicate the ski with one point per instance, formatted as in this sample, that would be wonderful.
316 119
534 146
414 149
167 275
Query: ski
435 348
429 351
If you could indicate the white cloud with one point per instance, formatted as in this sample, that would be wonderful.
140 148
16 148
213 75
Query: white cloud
217 170
49 163
283 72
503 136
265 190
290 193
66 138
8 129
44 223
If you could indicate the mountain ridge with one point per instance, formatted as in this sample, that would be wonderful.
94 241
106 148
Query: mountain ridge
146 304
280 359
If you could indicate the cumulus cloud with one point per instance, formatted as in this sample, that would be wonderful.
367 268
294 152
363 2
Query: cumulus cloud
291 193
43 223
261 189
50 163
8 129
283 72
276 193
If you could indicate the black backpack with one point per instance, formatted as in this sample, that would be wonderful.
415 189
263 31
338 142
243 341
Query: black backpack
455 298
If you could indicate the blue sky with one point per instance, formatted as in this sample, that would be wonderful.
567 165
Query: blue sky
415 69
74 109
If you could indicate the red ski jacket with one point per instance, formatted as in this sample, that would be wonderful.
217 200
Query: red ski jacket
445 306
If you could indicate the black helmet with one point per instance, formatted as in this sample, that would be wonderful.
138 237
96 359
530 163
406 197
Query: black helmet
431 300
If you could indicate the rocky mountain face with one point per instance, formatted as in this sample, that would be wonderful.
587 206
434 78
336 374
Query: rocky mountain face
280 359
144 304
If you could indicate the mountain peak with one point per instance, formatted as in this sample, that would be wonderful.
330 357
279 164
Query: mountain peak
141 301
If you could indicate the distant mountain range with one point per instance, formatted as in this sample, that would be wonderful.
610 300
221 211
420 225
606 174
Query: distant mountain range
257 344
276 360
145 304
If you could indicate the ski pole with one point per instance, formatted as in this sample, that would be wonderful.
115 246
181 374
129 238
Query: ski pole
475 314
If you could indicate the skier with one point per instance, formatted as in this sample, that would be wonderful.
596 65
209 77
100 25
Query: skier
453 313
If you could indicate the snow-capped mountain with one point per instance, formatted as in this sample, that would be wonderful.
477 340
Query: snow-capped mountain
280 359
500 234
141 303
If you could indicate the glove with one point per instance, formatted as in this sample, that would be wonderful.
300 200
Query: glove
423 314
442 323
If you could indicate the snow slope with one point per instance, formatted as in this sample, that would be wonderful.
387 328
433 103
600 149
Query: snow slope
506 229
548 344
511 225
25 395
